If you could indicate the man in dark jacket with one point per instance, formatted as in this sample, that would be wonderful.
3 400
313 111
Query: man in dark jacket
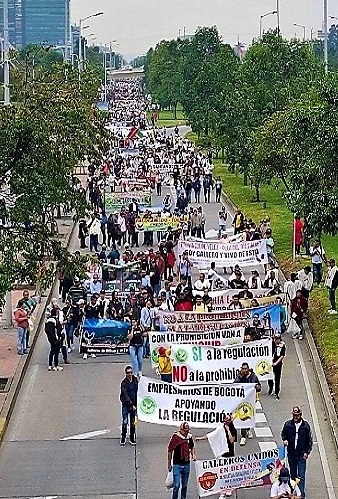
53 329
297 436
246 375
128 398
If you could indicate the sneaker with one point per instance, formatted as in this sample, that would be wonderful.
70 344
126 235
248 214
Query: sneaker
276 396
69 350
50 368
295 336
250 435
300 337
228 493
58 368
132 442
93 356
222 496
333 312
73 348
242 441
85 356
123 441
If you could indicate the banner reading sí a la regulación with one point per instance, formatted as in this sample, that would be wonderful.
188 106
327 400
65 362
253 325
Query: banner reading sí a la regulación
227 336
244 254
216 476
202 406
193 364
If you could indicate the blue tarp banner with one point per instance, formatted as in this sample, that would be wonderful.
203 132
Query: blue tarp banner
104 336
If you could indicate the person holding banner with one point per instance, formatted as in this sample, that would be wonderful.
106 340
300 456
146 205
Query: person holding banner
181 449
283 487
246 375
128 399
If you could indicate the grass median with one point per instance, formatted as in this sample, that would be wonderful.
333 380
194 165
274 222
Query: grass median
324 327
166 118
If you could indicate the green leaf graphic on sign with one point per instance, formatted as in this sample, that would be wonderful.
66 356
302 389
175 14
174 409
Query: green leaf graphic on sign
148 406
181 355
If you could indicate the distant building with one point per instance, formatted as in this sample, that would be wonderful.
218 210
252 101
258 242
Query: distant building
37 21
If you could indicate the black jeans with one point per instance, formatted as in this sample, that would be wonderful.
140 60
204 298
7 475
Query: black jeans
54 354
277 373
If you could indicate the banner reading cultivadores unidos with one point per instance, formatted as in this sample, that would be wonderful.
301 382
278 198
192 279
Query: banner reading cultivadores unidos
244 254
194 364
202 406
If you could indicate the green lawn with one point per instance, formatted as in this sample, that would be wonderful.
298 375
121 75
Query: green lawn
324 327
166 118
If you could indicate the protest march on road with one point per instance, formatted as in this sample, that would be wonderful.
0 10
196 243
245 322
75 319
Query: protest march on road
192 301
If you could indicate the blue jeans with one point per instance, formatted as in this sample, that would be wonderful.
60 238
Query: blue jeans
221 228
70 334
136 357
297 470
21 340
317 272
128 413
168 378
146 346
181 477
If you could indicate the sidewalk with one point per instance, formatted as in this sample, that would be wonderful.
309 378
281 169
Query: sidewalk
12 365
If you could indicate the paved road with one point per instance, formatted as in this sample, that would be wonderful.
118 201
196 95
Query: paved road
37 458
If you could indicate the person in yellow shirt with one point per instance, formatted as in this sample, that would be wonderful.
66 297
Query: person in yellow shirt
164 364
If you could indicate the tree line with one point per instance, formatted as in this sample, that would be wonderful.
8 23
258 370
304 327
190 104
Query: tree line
271 112
51 126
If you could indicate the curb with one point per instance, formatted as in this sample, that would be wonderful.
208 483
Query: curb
324 390
21 370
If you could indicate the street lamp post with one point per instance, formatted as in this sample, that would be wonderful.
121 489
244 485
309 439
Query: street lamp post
278 18
325 23
80 36
262 17
304 29
6 54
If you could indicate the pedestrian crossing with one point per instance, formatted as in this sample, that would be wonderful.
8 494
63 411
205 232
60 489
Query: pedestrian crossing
263 431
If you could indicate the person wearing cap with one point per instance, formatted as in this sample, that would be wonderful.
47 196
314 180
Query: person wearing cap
282 488
278 354
181 449
164 364
331 283
297 437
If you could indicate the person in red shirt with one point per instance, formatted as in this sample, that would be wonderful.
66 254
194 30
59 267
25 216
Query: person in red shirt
21 320
299 306
299 228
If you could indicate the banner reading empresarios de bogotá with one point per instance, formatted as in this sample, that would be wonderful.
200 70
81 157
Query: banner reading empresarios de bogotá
202 406
192 364
245 254
266 318
164 339
216 476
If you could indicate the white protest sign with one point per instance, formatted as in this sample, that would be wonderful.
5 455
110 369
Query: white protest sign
244 254
194 364
222 299
201 406
164 339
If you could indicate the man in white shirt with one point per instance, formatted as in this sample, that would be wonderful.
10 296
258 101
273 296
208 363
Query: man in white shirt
95 285
305 276
317 254
201 283
331 282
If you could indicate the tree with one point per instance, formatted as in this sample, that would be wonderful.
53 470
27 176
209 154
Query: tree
52 127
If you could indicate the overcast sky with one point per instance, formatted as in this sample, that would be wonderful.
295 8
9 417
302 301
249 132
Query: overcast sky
140 24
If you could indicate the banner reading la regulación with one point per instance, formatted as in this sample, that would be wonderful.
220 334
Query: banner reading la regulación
216 476
201 406
193 364
164 339
244 254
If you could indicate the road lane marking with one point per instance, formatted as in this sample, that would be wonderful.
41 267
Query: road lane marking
321 446
85 436
264 432
260 417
